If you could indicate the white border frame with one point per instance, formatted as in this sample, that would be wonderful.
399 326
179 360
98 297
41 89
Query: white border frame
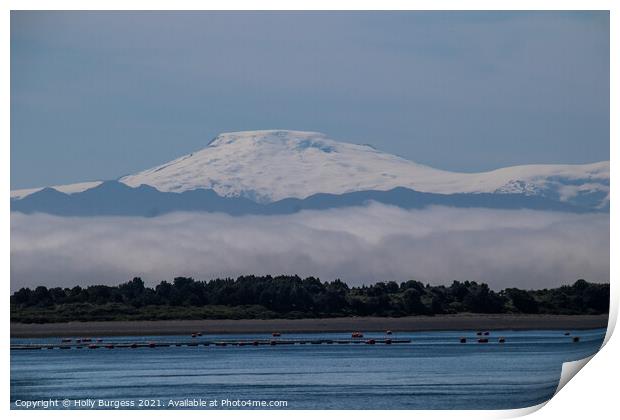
592 395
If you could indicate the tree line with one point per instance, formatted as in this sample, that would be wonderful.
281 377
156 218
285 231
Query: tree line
294 297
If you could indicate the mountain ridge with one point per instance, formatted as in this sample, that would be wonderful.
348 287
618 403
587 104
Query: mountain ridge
270 165
113 198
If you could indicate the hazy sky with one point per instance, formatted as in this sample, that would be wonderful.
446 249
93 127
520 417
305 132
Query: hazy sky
99 95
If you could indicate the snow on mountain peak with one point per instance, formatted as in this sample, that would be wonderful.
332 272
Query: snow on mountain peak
273 164
291 140
275 136
270 165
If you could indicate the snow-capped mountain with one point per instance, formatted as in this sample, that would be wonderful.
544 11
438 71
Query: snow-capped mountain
67 189
267 166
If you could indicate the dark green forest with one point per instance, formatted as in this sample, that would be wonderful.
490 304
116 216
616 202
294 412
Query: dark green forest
264 297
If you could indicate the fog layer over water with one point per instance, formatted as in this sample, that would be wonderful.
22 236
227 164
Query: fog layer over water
505 248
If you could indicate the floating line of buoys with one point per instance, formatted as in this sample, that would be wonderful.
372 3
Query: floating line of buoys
196 343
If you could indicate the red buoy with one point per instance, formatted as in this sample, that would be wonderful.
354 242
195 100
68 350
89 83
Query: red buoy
275 334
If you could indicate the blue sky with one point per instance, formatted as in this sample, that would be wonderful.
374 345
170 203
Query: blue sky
96 95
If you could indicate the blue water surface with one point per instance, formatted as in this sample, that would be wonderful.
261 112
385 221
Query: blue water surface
434 371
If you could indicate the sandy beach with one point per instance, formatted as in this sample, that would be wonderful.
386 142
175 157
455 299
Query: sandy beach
412 323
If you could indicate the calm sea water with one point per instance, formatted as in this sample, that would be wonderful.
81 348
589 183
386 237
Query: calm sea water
434 371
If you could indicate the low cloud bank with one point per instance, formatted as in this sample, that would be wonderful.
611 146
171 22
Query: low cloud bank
505 248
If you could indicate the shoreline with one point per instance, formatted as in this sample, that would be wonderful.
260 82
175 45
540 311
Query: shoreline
313 325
